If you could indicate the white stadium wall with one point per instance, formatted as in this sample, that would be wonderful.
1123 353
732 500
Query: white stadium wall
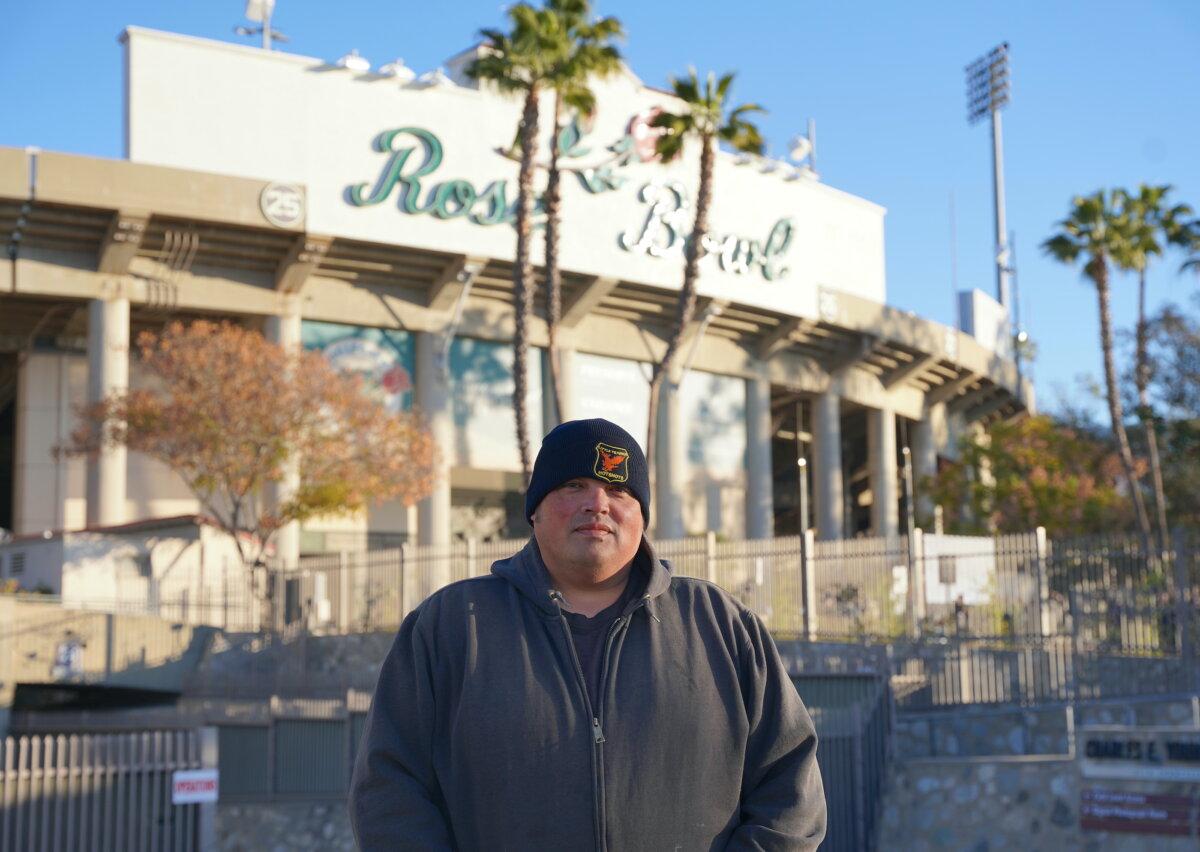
53 491
223 108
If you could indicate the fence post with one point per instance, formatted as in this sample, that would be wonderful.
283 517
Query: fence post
860 793
710 556
1045 616
206 819
1184 613
808 584
279 586
110 644
1073 670
966 685
405 554
344 591
472 546
916 582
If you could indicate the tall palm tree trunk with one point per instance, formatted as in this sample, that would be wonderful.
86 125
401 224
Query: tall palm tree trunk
1115 412
1142 380
685 308
522 273
553 273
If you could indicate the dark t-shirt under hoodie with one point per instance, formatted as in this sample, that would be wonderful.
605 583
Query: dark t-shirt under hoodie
589 634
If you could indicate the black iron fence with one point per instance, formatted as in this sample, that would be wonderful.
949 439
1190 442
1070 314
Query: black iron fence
853 720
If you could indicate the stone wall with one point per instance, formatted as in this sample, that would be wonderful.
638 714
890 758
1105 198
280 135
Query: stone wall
980 805
979 731
283 827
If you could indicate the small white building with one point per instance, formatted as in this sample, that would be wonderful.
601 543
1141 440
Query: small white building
184 568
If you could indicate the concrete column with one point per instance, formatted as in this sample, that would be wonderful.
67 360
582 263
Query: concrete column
924 462
760 516
827 465
667 509
881 455
551 417
432 397
108 374
284 330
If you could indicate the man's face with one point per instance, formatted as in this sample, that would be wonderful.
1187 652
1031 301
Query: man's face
588 525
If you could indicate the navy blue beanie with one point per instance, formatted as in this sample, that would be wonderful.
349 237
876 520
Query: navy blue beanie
594 449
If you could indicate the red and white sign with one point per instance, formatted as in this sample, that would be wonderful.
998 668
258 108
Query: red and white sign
1138 813
193 786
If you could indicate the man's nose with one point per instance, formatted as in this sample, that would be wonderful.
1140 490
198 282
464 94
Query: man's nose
596 499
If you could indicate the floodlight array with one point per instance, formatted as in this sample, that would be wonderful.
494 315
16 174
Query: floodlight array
987 83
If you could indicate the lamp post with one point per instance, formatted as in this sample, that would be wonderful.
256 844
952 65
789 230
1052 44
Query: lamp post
914 603
909 518
802 464
259 11
987 94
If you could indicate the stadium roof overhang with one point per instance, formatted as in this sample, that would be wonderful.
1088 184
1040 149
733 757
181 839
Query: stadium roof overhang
182 243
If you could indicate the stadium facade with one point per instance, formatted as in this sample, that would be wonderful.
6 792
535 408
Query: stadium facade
367 214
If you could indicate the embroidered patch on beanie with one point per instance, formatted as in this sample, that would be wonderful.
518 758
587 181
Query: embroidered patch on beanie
612 463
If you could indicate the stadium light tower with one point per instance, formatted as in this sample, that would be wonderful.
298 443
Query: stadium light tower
987 94
259 11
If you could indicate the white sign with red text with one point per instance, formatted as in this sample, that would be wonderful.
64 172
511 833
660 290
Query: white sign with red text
193 786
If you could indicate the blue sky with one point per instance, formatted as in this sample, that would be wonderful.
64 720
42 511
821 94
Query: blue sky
1104 94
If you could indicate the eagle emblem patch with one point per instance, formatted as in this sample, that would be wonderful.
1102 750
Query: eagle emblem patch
612 463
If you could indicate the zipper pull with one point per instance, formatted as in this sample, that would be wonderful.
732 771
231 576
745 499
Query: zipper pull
597 734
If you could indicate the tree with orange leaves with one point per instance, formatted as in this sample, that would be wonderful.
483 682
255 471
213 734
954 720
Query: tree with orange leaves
227 410
1033 472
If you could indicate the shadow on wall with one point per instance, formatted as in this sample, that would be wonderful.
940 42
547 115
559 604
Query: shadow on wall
41 642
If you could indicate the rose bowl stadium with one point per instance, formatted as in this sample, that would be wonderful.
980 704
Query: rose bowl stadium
367 214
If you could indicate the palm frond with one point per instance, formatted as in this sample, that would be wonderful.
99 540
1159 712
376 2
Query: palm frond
723 86
687 89
742 136
669 146
1062 248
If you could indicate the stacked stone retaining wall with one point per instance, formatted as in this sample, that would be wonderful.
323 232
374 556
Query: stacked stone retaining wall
983 731
284 827
988 804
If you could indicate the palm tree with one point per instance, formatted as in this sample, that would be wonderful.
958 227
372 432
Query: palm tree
520 63
706 116
589 53
1096 232
1151 225
1192 242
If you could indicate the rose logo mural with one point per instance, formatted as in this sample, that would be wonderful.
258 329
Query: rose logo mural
381 357
644 135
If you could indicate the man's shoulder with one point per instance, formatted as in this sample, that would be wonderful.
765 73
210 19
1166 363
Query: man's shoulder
695 597
462 592
693 588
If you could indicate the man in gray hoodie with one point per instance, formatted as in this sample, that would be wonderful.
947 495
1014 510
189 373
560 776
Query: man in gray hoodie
581 697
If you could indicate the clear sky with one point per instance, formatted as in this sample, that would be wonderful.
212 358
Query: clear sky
1104 94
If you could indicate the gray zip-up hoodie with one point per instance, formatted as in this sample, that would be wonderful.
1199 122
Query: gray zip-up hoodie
481 734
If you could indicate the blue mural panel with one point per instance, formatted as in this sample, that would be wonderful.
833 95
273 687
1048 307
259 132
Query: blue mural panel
383 357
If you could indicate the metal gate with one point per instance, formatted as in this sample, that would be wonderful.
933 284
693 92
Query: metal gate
852 715
101 792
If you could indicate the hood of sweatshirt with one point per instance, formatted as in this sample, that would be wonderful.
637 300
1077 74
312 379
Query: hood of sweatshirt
528 573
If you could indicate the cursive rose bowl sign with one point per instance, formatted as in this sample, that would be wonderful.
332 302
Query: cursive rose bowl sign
410 173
